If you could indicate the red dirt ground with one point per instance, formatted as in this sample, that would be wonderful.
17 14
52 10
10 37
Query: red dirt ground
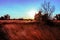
29 30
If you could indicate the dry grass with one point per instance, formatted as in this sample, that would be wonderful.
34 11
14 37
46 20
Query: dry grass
28 30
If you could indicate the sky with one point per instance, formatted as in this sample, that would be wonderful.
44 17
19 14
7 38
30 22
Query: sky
24 8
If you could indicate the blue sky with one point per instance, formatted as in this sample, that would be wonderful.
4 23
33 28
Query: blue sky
20 8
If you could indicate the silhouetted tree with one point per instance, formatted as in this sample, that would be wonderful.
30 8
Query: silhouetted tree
38 16
57 16
1 18
48 9
6 16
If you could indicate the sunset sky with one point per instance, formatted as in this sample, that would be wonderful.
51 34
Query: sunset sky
24 8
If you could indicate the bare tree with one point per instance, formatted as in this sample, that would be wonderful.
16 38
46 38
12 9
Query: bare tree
48 8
